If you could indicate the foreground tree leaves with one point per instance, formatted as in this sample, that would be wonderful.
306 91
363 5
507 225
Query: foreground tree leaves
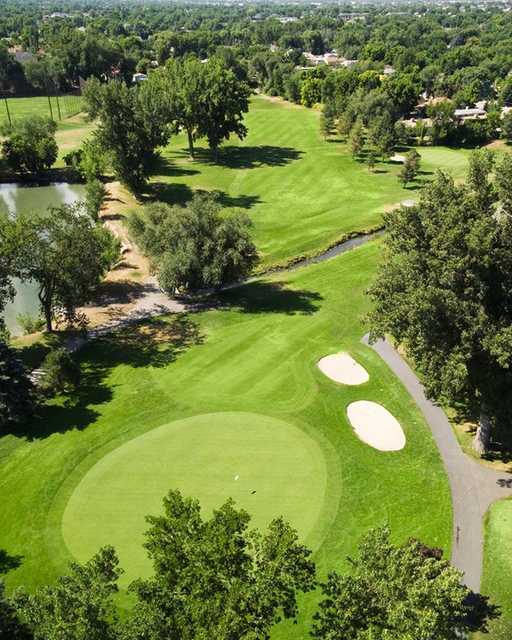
215 578
405 592
79 606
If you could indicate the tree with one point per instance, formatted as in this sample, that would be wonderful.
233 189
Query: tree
30 145
444 290
506 126
371 159
79 606
226 100
410 167
326 124
62 251
194 247
130 128
182 83
356 139
11 627
382 134
95 193
397 591
215 578
16 389
60 372
205 99
442 115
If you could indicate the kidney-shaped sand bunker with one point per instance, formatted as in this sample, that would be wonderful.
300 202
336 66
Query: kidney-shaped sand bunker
342 368
374 425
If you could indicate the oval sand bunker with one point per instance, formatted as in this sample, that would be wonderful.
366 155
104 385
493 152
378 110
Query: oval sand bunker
342 368
374 425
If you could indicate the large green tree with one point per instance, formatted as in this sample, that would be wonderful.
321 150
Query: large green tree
397 592
216 578
194 247
79 606
444 290
181 85
30 145
130 128
63 252
201 98
226 101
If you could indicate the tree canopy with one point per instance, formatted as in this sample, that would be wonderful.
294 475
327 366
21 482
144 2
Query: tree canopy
194 247
215 578
398 592
64 252
30 145
444 290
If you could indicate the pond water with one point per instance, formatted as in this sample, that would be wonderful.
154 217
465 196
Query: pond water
14 198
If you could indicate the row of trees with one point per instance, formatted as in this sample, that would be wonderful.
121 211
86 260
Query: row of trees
218 578
201 99
444 290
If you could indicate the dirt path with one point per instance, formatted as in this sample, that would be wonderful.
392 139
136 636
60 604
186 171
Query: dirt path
129 292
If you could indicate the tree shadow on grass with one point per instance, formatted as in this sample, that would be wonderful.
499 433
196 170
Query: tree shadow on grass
270 297
151 343
8 562
249 157
176 193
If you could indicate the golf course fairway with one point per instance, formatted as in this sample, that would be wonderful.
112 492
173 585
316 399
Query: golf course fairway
268 466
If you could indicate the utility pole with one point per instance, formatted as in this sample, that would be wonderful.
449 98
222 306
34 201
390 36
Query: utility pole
58 105
8 112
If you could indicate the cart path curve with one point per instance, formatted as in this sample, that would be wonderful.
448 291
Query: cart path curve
473 487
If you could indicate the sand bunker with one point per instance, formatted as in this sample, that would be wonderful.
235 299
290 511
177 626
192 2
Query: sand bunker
342 368
374 425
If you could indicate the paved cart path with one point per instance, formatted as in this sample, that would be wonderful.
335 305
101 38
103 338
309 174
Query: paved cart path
473 487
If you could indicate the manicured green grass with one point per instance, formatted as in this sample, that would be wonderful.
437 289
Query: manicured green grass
255 353
270 467
303 193
20 108
497 575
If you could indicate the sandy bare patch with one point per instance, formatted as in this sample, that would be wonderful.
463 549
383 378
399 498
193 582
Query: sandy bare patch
342 368
374 425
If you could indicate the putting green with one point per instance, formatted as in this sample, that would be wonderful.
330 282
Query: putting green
268 466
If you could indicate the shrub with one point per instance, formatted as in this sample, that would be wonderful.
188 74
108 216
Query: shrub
30 145
30 324
60 372
95 193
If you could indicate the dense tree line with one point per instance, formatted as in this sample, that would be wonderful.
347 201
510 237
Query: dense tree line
445 291
217 578
464 54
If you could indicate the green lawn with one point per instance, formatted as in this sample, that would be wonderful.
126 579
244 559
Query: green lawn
78 478
497 575
40 105
303 193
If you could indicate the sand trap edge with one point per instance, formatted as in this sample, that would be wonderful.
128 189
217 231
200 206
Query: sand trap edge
376 426
342 368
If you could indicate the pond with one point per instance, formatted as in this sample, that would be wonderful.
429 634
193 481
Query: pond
14 198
